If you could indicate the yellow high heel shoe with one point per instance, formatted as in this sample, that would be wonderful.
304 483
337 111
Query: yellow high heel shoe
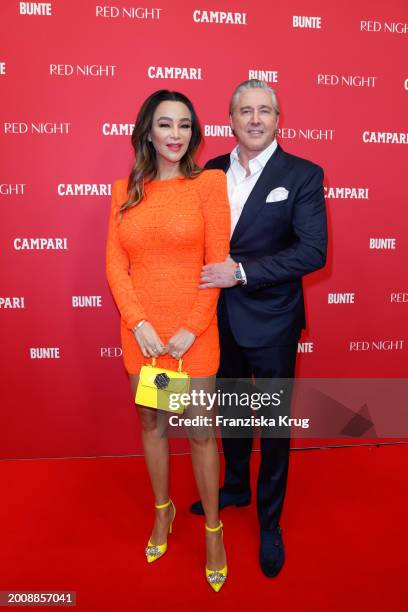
216 578
155 551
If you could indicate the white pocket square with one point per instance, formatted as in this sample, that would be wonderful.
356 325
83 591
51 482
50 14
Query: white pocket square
277 195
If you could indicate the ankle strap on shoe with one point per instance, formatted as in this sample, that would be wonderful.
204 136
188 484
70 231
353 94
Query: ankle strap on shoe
160 506
213 529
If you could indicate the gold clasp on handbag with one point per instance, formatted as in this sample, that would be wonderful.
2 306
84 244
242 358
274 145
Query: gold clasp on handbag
162 380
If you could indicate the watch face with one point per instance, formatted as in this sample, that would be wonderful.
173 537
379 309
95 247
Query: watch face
238 275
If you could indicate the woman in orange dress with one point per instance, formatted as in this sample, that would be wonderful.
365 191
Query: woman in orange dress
167 220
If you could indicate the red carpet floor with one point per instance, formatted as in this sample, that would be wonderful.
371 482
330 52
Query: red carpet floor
82 524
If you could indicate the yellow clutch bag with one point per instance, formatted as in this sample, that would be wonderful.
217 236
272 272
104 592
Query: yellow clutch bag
161 389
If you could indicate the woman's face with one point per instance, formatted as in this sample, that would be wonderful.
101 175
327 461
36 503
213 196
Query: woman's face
171 131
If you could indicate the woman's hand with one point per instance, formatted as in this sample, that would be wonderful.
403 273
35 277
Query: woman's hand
149 341
180 343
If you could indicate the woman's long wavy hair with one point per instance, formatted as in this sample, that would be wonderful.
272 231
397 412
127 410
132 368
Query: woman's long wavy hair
145 165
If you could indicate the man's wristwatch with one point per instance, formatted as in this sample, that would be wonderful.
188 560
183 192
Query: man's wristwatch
238 275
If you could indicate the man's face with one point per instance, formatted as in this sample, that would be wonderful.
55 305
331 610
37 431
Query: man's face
254 120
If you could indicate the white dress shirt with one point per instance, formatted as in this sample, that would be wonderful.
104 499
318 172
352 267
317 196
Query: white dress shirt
240 185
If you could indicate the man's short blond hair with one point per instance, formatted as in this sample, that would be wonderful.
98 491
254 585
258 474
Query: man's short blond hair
253 84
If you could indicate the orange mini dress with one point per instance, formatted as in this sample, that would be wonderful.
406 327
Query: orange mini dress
154 258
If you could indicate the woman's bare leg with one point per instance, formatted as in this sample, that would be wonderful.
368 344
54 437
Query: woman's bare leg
206 467
156 454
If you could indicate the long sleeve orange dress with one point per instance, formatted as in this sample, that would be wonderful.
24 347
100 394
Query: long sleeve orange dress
154 258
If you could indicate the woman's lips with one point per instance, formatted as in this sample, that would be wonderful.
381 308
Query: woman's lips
174 147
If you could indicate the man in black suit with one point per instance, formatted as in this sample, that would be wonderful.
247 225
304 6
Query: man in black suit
279 234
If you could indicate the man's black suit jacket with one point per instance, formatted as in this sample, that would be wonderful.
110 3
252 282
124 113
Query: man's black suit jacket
277 244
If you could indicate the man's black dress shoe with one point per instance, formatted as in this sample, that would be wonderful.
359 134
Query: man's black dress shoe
271 552
225 499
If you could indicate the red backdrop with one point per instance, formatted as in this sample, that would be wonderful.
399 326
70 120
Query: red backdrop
73 75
